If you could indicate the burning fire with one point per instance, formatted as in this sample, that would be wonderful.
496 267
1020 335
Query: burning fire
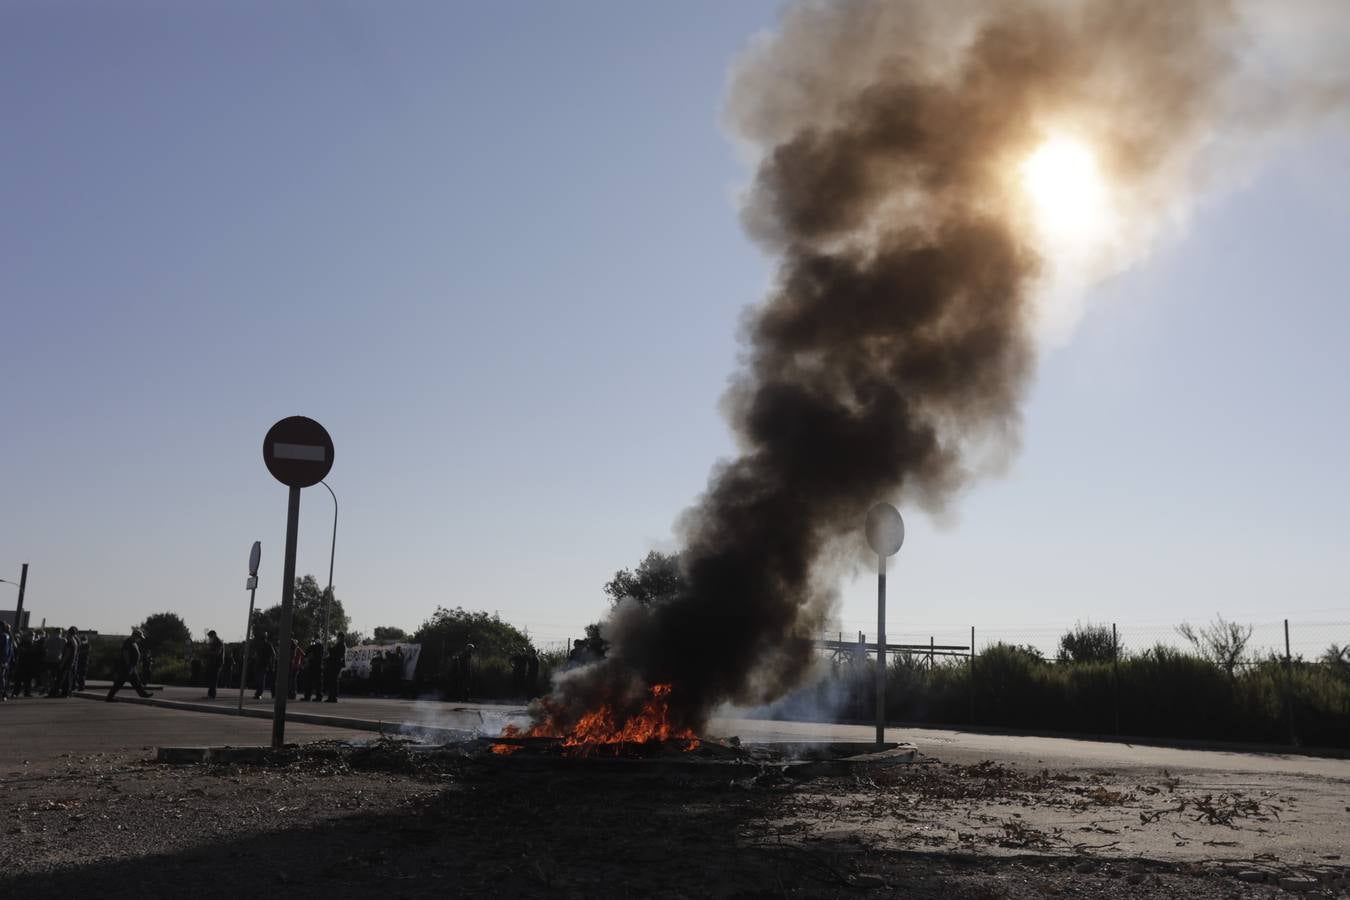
600 728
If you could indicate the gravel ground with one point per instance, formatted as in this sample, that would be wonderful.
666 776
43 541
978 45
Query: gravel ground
332 820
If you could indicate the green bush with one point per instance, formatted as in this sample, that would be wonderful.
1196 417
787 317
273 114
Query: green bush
1160 692
171 670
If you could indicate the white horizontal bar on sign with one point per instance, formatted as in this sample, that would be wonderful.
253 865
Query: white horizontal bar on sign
308 452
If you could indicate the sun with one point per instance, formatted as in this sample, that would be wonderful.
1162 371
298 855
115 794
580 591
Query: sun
1069 197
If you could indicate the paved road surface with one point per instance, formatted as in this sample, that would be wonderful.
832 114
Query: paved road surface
39 730
947 745
1312 795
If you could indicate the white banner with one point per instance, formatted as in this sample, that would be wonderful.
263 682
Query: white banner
358 658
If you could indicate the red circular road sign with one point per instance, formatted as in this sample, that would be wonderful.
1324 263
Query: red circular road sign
298 451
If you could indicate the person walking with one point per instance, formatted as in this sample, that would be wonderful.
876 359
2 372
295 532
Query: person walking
82 662
227 668
215 655
264 656
314 671
128 666
297 659
337 660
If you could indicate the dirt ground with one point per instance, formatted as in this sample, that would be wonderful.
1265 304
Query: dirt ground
328 819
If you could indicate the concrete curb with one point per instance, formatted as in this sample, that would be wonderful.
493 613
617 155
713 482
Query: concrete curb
1239 747
403 729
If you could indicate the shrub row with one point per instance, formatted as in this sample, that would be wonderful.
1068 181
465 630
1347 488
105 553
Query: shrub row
1158 693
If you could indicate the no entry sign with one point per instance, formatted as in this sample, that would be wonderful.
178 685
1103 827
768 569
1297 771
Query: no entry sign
298 451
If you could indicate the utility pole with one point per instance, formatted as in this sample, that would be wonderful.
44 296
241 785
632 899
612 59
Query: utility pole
23 586
1115 675
972 675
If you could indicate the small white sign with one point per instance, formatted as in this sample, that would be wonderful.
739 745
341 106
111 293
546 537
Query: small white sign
303 452
251 582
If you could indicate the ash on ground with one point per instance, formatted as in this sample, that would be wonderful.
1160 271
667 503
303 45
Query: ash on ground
336 820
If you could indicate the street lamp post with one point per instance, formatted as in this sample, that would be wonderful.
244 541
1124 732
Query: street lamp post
328 594
332 553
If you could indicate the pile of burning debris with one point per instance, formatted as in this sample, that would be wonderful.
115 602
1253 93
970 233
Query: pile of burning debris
602 731
604 738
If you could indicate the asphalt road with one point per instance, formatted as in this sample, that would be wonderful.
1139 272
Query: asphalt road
39 730
961 747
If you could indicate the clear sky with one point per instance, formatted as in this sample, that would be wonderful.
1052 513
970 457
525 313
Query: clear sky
495 249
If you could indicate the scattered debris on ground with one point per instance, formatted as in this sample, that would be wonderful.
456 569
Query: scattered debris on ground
412 821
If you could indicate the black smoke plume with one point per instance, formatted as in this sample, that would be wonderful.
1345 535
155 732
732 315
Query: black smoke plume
890 359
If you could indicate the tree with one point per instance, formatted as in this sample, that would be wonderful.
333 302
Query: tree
1337 658
658 578
307 620
448 631
1222 643
1087 644
165 629
389 633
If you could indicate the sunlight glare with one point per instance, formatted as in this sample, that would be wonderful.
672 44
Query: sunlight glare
1068 195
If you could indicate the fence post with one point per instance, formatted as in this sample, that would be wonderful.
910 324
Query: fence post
930 653
1115 675
1289 684
971 679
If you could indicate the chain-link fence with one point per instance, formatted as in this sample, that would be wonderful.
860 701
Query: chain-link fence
1308 640
1270 680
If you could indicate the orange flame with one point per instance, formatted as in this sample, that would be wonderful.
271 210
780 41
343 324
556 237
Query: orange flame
600 727
505 749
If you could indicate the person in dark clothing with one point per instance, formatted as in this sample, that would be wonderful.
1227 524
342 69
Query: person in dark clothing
81 663
264 660
215 655
227 669
7 654
337 660
65 667
376 672
29 659
519 667
464 675
314 671
532 673
128 666
53 648
295 661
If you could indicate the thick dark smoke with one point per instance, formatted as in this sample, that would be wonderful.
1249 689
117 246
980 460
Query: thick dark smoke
890 359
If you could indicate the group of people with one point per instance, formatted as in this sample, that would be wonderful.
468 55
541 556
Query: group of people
525 671
313 671
387 671
54 664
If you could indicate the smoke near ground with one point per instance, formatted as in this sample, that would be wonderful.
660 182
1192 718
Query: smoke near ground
890 359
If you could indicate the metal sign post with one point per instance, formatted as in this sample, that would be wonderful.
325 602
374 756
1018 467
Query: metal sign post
299 453
885 535
250 585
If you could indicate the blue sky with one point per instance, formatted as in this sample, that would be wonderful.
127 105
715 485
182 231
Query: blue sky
495 250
